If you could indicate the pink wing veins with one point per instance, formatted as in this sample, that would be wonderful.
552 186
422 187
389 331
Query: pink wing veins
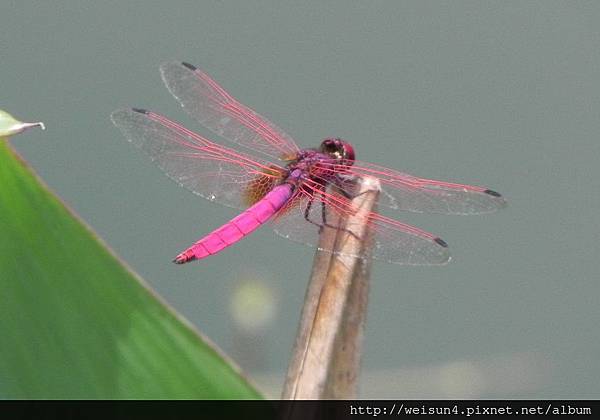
210 170
209 104
402 191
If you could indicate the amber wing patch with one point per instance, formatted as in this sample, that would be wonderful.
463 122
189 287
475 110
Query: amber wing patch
262 184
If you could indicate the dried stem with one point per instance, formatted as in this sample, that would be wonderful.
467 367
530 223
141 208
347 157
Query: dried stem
326 354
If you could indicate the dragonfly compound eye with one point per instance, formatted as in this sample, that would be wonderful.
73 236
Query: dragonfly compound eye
338 148
348 151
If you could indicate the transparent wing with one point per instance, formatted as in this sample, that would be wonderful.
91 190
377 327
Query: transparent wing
406 192
210 170
394 242
218 111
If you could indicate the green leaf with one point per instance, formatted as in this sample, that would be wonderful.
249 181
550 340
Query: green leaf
76 323
9 125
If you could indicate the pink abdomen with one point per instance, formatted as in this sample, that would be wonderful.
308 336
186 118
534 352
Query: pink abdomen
238 227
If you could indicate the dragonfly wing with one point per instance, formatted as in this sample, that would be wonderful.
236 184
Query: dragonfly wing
218 111
406 192
292 221
210 170
399 243
393 241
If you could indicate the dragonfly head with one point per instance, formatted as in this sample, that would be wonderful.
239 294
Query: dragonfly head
338 149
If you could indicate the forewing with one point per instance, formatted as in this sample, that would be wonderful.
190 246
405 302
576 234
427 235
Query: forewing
218 111
210 170
406 192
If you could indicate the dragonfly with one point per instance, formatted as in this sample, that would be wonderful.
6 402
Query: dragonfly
270 179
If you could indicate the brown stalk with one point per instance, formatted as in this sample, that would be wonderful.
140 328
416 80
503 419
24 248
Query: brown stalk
326 355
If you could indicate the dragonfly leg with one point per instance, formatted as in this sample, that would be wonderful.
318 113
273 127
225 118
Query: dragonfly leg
349 195
307 214
324 219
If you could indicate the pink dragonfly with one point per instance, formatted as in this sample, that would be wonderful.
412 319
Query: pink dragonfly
294 188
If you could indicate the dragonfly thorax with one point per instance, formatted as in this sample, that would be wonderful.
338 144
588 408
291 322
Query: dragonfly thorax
333 153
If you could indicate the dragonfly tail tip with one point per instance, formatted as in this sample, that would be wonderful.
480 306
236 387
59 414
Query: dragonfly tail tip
183 258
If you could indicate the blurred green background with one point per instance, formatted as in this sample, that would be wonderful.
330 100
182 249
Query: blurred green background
502 94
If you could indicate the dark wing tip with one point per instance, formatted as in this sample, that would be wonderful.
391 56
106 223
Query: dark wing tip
493 193
189 66
441 242
140 110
